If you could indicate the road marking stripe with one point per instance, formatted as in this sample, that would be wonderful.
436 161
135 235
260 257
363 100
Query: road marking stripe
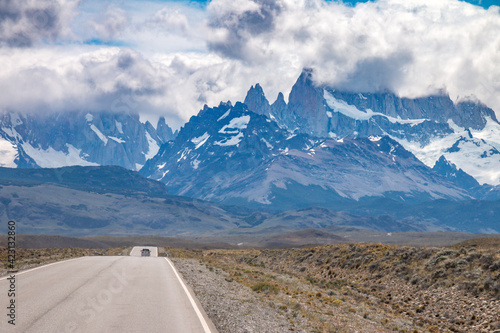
193 303
43 266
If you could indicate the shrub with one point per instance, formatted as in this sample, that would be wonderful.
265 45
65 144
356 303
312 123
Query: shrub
439 274
473 256
440 256
265 287
456 263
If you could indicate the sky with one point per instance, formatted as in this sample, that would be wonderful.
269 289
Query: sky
169 58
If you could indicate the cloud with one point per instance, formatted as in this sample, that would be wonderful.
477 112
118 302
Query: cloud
110 24
376 74
72 80
24 22
180 56
170 20
412 47
236 23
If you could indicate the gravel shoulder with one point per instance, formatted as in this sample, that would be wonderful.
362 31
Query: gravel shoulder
233 307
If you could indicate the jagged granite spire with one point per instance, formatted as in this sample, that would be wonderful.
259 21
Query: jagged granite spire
164 131
306 106
279 109
257 101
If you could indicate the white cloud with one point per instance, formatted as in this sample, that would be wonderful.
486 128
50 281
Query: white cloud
170 19
409 46
180 56
110 24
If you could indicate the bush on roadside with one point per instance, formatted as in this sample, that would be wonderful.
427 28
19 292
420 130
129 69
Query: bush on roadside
265 287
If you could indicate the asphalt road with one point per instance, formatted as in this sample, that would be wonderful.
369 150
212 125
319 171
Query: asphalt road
103 294
136 251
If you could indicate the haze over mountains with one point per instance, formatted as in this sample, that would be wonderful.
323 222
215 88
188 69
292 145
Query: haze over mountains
415 161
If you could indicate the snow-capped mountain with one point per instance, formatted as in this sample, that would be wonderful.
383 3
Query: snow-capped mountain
79 138
457 176
467 133
233 155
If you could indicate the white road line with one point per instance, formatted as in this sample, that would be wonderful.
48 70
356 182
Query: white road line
43 266
193 303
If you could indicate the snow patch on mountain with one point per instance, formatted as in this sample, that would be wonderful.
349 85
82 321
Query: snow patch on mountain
431 152
116 139
99 134
473 151
184 154
235 123
195 164
200 141
11 132
119 126
153 147
490 133
344 108
224 115
232 141
268 145
50 158
8 154
353 112
478 159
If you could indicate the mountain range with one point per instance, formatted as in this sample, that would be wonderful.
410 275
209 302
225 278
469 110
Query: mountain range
232 155
320 144
50 140
466 133
369 154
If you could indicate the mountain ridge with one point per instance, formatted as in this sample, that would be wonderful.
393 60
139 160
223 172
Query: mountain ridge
79 138
428 126
230 152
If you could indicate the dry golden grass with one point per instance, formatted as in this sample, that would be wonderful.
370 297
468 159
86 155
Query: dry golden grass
341 288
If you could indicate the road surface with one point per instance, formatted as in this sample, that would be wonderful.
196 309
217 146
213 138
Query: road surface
103 294
136 251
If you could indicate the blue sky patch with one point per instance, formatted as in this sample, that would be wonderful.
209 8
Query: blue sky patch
482 3
96 41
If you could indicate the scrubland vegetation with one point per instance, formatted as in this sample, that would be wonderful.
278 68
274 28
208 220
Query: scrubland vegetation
351 287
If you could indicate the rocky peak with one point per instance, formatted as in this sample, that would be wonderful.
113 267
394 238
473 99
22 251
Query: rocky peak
164 131
450 171
280 100
306 106
473 114
279 109
257 101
